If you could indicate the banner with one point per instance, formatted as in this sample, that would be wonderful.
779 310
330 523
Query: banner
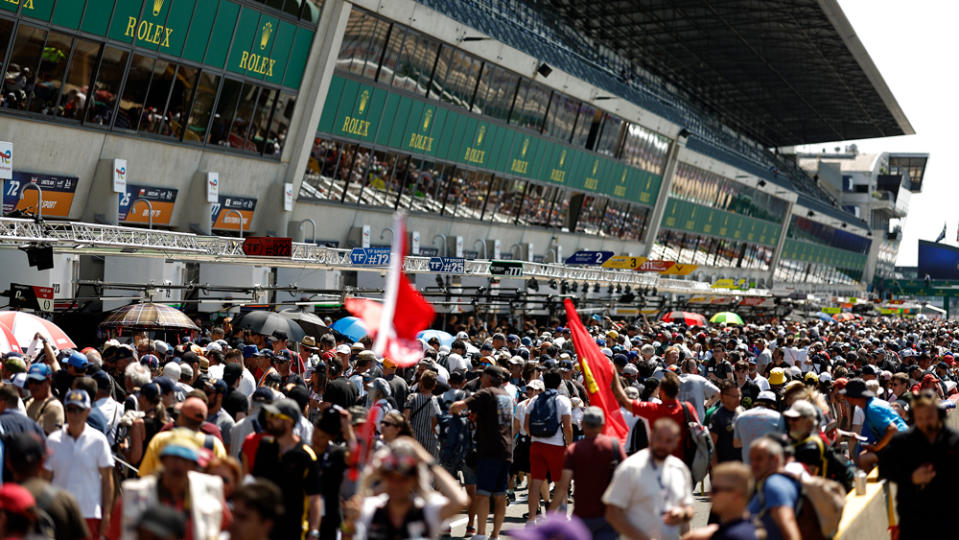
133 210
57 194
224 219
6 160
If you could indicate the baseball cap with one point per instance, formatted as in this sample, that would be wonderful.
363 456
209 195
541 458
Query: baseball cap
262 395
631 369
78 360
15 499
166 384
283 356
77 398
593 416
343 349
39 372
766 395
151 391
150 361
249 351
801 408
181 446
15 364
194 409
285 407
536 384
380 385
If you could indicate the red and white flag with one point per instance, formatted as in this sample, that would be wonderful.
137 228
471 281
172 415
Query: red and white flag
404 312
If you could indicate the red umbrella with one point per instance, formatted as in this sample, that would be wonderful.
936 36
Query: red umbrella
8 343
685 317
24 326
842 317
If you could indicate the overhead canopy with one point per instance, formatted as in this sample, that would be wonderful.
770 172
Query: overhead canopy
785 73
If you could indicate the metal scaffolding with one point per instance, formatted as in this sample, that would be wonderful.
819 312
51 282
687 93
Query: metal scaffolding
94 239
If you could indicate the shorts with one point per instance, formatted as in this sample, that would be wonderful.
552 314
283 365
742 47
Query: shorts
491 475
546 458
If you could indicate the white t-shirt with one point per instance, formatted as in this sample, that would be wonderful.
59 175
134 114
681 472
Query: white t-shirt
761 382
76 465
696 390
646 490
519 413
563 408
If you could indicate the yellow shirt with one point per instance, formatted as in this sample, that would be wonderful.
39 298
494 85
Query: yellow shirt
151 458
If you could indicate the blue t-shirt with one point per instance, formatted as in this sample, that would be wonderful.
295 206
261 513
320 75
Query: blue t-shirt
777 490
878 416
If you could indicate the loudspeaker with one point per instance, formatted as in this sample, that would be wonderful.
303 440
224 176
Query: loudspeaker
544 70
39 256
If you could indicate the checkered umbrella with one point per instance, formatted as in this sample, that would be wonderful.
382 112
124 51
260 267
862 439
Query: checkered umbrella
148 316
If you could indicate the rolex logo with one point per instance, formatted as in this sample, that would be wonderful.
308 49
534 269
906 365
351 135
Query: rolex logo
426 119
480 135
525 147
364 99
265 36
157 6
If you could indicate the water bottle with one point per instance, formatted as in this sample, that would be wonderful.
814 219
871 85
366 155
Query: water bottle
860 482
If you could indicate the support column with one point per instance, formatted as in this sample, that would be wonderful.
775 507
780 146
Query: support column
777 253
656 217
309 107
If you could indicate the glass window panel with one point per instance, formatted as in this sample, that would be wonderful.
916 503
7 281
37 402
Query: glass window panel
312 10
455 79
559 209
517 116
293 7
505 199
243 117
196 130
363 43
609 139
106 88
180 100
584 122
260 127
591 217
534 106
415 63
281 124
562 116
467 195
538 205
226 106
634 226
494 97
134 91
19 81
427 187
379 188
76 88
154 119
615 217
49 75
391 56
6 32
319 180
355 178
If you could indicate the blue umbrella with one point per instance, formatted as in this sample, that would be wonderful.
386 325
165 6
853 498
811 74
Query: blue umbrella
824 317
445 338
351 327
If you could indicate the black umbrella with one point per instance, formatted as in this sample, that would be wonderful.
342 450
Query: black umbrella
311 324
269 323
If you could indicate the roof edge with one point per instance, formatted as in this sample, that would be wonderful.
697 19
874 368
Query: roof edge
848 35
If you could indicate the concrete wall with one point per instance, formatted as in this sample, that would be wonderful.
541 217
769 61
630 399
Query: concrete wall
14 269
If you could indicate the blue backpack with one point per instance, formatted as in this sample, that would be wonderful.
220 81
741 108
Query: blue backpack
456 438
543 421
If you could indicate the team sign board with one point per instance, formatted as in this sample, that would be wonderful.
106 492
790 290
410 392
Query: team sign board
134 211
371 256
624 262
655 266
506 268
30 297
448 265
224 219
589 258
57 193
268 246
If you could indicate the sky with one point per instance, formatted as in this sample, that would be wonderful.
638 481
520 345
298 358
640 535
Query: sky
914 44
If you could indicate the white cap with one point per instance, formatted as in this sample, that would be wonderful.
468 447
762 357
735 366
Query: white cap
172 370
343 349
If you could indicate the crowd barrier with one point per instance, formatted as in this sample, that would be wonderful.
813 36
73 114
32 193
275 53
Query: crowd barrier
868 517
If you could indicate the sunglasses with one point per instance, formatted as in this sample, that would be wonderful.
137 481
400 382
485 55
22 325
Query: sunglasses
390 424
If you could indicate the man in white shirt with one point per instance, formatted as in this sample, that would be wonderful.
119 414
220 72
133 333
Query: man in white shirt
111 409
547 451
81 463
695 389
651 494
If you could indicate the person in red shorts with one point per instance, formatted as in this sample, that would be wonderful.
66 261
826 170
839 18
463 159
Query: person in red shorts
669 408
547 450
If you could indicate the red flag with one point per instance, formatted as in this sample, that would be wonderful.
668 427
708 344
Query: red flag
403 314
597 374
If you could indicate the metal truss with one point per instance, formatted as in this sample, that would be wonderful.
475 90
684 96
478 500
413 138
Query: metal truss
94 239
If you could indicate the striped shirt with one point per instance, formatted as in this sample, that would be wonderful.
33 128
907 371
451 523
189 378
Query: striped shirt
421 416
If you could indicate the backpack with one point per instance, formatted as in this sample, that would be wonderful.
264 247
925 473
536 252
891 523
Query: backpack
543 421
638 438
818 508
698 451
834 465
456 438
